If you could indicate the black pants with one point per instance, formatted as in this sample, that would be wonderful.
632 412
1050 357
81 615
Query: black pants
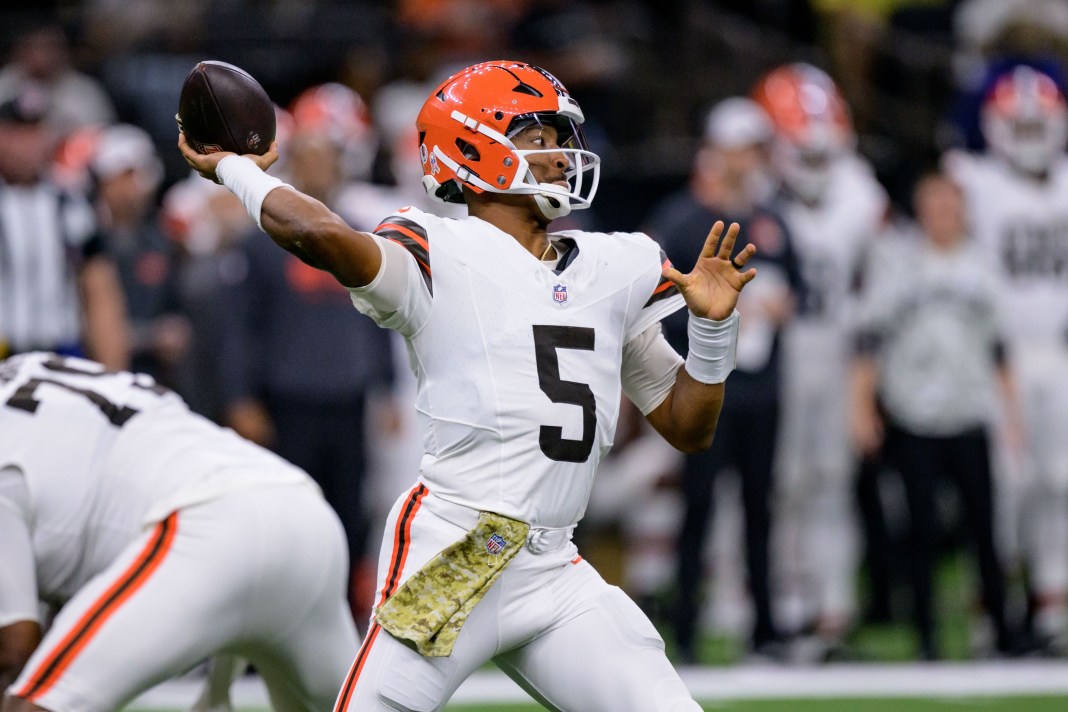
883 544
745 439
965 460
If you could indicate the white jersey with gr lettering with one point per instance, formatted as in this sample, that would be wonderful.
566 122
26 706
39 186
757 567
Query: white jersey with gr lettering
1023 224
518 364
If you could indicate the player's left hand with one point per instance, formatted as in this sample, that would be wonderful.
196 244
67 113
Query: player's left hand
206 163
711 290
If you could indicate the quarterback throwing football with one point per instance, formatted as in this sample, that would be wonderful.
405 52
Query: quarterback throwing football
520 340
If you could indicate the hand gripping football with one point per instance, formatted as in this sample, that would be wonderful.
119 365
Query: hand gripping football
222 108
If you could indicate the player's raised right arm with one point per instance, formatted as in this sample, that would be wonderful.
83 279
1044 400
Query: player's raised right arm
318 236
297 222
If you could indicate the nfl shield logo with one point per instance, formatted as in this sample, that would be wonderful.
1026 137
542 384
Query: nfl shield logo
495 544
559 293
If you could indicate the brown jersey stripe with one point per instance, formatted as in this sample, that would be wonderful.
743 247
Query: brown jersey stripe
412 237
406 227
402 540
349 687
665 287
424 268
83 631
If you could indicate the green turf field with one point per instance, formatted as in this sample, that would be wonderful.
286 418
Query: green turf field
1019 704
1000 704
884 645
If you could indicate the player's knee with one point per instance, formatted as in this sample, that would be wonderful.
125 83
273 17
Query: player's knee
672 696
406 695
408 682
392 704
634 626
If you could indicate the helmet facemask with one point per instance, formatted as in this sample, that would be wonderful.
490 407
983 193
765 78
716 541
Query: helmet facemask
556 201
468 127
1024 120
805 165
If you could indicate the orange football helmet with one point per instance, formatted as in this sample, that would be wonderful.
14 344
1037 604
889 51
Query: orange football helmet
812 125
340 113
465 129
1024 119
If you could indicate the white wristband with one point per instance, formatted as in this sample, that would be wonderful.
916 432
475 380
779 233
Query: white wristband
712 348
250 184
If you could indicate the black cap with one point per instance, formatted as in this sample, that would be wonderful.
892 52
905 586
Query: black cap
25 107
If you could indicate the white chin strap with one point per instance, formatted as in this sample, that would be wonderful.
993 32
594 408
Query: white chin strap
552 206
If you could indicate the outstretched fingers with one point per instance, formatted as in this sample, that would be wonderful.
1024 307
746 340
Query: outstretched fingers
747 276
726 246
739 261
709 249
678 278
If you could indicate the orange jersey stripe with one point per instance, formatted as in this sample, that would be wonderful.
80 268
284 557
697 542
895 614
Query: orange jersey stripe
665 288
419 239
401 543
83 631
402 540
349 687
666 284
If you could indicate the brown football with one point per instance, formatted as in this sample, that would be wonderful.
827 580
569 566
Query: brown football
222 108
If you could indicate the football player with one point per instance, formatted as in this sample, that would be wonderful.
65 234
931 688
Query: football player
162 539
520 339
833 206
1017 197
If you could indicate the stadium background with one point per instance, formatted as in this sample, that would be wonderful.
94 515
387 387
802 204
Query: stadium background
644 72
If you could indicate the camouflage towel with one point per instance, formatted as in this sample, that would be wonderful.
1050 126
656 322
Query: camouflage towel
429 609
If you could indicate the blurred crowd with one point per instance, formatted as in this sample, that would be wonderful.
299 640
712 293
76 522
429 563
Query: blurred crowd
902 380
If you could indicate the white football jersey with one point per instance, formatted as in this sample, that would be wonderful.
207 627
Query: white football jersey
105 454
937 318
518 367
1023 224
831 239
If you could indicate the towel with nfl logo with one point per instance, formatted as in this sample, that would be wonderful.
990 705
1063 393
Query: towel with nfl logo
429 609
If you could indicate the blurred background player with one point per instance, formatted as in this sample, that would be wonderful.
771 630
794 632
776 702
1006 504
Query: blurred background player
60 291
298 365
833 207
727 185
1016 194
162 539
932 357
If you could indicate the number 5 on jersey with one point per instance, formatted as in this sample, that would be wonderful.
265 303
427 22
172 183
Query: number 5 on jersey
547 339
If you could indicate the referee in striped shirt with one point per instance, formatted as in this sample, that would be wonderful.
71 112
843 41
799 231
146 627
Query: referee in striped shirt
58 290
